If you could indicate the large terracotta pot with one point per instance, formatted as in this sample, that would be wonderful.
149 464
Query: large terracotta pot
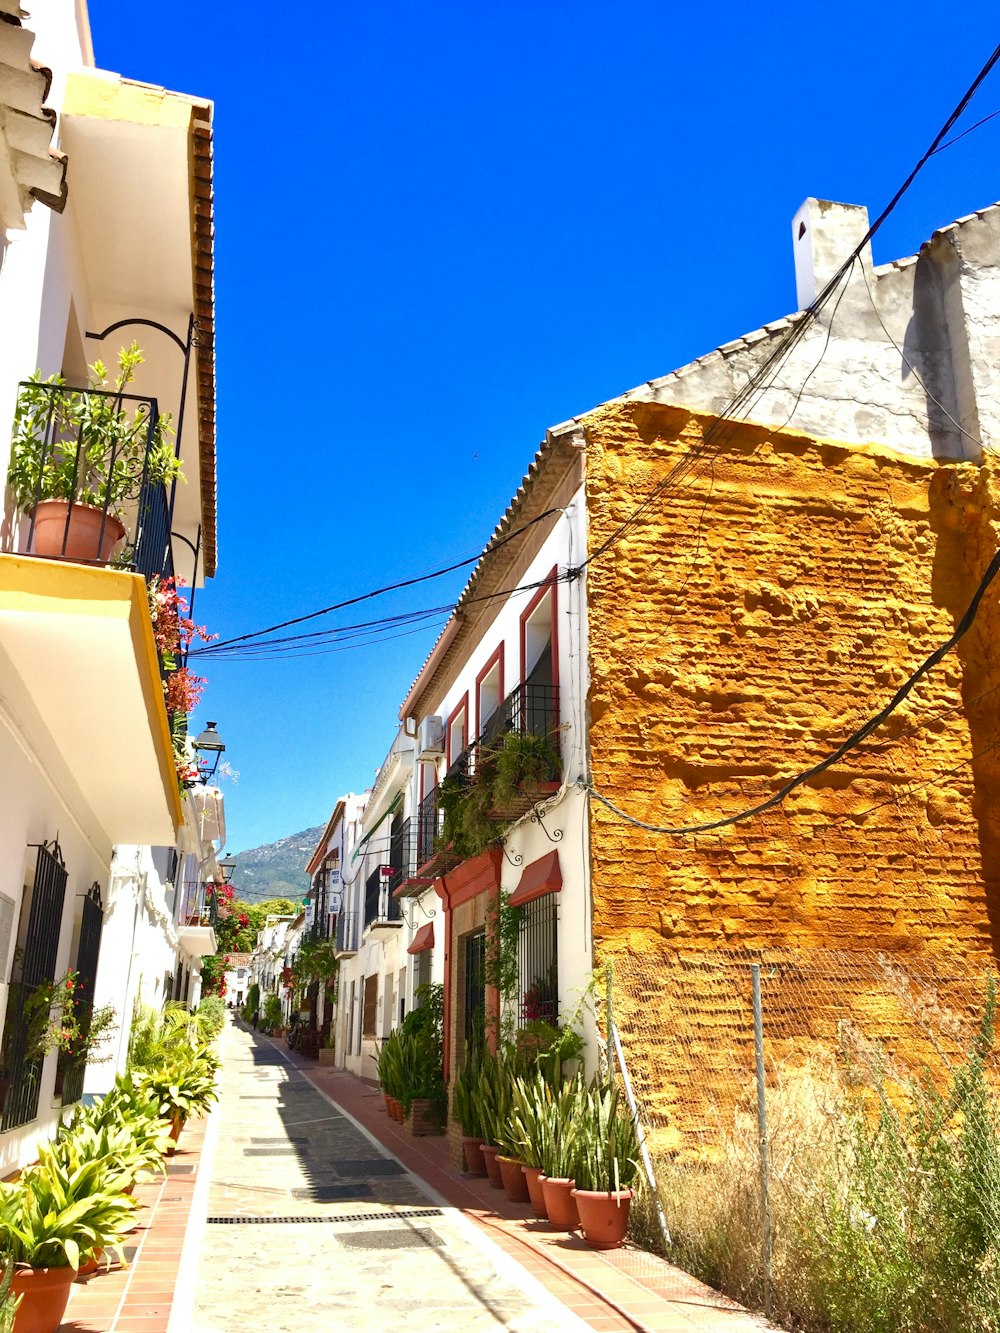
490 1153
534 1176
603 1216
45 1292
514 1184
84 539
474 1160
559 1203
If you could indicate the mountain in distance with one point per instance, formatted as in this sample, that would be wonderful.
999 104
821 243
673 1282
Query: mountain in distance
276 870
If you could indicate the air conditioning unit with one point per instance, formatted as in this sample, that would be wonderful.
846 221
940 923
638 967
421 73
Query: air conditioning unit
430 738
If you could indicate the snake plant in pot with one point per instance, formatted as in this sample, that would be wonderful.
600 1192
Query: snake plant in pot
607 1167
81 457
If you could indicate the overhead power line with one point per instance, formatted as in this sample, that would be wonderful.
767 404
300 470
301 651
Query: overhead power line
713 440
851 743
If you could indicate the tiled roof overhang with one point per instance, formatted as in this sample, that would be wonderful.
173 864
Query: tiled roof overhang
29 166
203 259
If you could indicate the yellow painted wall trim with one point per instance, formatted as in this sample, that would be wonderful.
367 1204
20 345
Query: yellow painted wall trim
28 583
141 625
98 95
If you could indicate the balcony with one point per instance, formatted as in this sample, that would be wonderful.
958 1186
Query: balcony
91 474
382 910
197 930
347 934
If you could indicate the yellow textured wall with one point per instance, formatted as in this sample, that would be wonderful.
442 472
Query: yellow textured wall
742 629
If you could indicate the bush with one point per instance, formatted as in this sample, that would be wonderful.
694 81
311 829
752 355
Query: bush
272 1016
885 1198
213 1011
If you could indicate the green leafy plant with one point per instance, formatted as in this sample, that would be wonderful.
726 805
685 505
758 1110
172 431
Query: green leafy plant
607 1142
9 1303
272 1015
56 1211
212 1011
464 1104
89 446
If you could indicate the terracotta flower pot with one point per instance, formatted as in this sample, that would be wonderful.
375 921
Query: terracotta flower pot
176 1125
46 1293
514 1184
474 1160
91 1263
603 1216
84 538
534 1176
490 1154
559 1203
388 1105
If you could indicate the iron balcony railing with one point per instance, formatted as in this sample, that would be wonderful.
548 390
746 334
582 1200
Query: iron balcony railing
87 474
528 709
429 823
381 908
347 932
201 907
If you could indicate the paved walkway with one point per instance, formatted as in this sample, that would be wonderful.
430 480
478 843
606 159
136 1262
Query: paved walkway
300 1205
310 1225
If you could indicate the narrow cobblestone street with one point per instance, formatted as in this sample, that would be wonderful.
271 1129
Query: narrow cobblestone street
310 1224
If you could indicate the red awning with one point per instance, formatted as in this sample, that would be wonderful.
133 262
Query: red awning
538 878
423 939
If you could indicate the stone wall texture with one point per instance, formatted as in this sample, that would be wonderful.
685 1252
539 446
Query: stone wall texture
745 625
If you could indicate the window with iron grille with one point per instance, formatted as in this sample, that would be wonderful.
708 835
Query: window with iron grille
370 1006
474 990
87 954
422 973
37 959
538 961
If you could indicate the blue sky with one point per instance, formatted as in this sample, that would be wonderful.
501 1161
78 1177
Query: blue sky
441 228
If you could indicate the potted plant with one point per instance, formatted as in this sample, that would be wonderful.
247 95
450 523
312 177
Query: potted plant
183 1087
79 456
607 1167
492 1097
273 1015
560 1153
465 1109
51 1215
529 1115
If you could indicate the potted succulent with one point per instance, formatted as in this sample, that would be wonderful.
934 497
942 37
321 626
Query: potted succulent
492 1095
530 1113
49 1217
607 1167
560 1153
80 456
465 1108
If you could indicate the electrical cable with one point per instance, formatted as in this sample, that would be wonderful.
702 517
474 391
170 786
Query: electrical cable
851 743
491 545
725 421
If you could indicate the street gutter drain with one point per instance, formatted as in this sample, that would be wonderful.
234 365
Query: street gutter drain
179 1170
340 1217
284 1138
367 1166
271 1152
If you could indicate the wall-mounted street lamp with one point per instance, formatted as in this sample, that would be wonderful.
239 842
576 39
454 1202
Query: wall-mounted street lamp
209 743
227 865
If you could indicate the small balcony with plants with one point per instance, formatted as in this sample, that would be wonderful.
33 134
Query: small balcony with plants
514 763
93 471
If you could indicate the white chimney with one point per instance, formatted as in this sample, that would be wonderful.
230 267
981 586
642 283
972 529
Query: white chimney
823 235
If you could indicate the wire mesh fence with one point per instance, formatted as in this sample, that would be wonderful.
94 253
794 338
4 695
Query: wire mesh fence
833 1159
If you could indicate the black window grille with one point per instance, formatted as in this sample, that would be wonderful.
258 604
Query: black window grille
87 955
538 961
37 968
475 983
